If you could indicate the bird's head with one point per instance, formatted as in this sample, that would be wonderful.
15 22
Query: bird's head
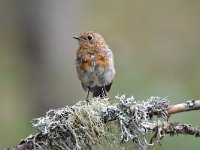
90 40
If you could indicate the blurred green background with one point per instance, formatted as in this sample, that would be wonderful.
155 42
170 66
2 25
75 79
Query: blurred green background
156 45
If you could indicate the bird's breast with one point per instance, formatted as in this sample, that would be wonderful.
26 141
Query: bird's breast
87 60
101 61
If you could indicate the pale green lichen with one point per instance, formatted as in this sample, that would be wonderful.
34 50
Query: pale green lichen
76 127
85 125
135 117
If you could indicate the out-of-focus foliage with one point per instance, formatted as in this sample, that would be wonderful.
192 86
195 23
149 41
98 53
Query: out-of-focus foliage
155 44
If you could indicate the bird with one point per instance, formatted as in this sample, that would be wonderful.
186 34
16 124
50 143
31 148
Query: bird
94 64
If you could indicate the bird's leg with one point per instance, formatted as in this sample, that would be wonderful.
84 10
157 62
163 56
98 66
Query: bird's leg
87 98
104 92
88 95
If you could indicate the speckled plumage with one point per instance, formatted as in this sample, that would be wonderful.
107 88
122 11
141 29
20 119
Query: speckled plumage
94 63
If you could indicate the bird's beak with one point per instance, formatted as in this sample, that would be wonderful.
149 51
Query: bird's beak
76 37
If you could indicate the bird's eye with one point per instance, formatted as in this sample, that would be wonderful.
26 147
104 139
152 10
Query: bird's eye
89 37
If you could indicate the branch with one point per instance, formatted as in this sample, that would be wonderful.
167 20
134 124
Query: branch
83 125
179 128
188 106
174 129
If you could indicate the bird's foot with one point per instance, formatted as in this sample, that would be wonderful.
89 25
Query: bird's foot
88 102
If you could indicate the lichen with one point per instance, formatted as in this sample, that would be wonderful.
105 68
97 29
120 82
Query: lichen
76 127
135 117
87 124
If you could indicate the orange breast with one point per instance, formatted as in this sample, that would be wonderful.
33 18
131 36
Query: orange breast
85 63
101 60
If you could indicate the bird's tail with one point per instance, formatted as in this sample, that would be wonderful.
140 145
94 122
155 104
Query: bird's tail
99 91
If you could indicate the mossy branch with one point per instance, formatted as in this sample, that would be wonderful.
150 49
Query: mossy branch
84 125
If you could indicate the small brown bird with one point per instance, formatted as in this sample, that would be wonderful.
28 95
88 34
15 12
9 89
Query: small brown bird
94 64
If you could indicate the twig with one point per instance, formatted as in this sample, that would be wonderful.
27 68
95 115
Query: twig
172 129
188 106
179 128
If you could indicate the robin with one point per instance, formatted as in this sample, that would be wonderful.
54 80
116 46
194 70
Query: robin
94 64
